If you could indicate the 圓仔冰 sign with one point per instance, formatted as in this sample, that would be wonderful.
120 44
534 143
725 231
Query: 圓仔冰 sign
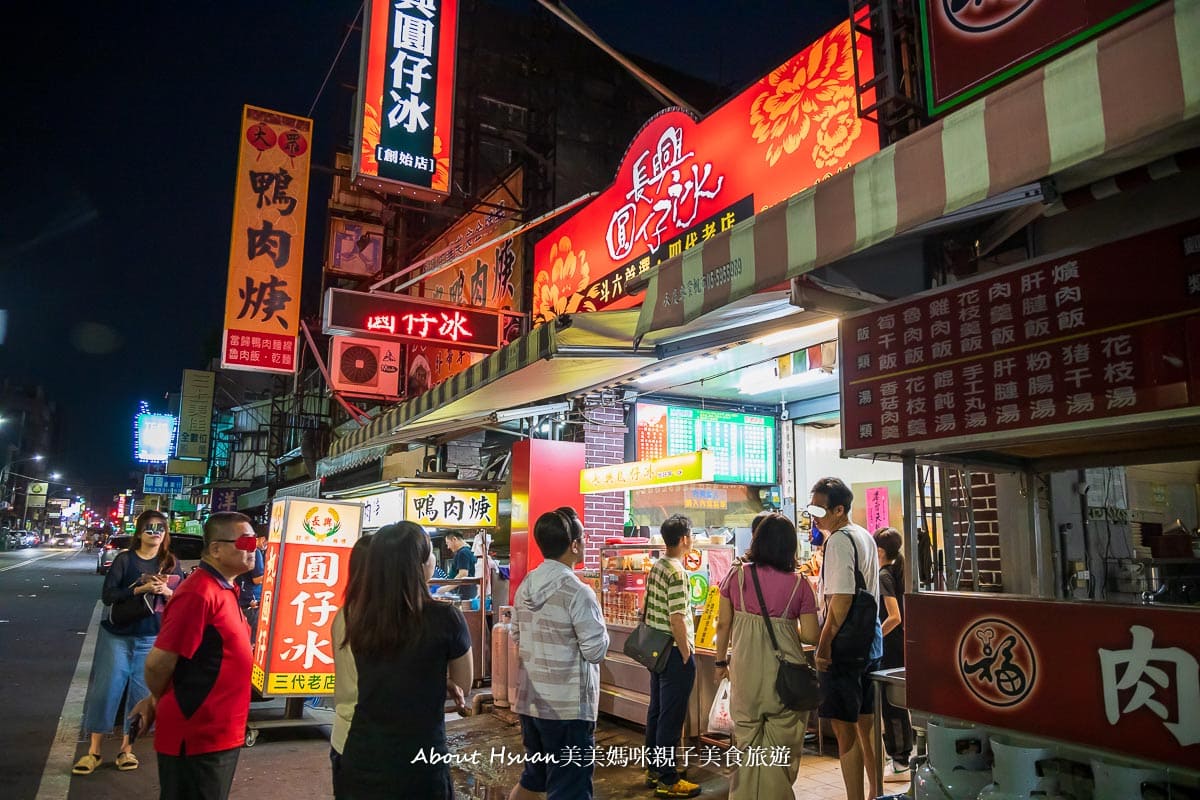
399 316
308 553
405 113
1128 674
1063 340
451 508
971 46
684 181
266 253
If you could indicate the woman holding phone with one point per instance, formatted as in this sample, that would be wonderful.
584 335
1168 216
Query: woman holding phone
146 568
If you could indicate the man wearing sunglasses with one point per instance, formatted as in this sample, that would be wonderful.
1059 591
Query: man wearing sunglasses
199 669
849 582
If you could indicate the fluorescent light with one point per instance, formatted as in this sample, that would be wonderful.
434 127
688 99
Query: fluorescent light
817 331
530 411
678 369
760 383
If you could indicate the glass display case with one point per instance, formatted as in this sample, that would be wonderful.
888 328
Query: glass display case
625 567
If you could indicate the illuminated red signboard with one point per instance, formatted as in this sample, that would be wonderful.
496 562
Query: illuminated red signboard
1098 334
1128 674
683 181
970 46
405 114
411 319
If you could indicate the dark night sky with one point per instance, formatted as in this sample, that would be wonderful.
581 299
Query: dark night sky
118 154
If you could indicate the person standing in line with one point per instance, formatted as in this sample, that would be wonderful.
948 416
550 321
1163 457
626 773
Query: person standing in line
199 669
409 650
250 584
760 719
897 724
561 636
668 609
146 568
345 685
847 698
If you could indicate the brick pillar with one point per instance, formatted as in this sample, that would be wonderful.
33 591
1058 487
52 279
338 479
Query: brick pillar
987 529
603 514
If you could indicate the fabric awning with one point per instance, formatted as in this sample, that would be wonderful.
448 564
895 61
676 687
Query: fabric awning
1136 80
548 362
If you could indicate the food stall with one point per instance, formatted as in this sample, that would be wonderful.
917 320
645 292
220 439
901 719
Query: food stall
441 506
1075 389
621 585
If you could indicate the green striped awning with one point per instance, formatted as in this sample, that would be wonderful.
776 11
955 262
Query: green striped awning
1139 79
546 363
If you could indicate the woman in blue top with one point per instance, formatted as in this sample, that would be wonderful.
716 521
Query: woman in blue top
146 568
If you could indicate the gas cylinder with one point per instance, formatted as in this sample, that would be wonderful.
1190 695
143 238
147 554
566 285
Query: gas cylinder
500 632
514 668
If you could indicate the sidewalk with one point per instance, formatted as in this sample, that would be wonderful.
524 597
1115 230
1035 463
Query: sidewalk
294 763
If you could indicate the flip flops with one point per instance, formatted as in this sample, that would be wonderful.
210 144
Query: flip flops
86 765
126 762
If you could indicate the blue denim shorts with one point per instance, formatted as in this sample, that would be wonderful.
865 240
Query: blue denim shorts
571 777
119 662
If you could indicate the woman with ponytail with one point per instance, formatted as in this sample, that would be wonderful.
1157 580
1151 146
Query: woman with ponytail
897 727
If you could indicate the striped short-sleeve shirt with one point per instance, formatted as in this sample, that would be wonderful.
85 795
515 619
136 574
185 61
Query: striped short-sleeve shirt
667 594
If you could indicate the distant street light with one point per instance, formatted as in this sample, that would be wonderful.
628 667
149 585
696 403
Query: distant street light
55 476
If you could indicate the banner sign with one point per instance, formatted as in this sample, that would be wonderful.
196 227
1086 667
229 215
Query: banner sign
451 508
224 500
308 553
683 181
398 316
382 509
405 113
971 47
153 436
1129 674
694 467
1063 340
195 414
355 248
162 484
266 254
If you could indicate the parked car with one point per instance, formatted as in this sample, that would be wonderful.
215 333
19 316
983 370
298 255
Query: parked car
187 547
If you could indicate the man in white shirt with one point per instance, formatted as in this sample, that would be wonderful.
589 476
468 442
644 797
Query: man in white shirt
847 698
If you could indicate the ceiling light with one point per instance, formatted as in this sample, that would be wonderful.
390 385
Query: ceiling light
678 369
530 411
817 331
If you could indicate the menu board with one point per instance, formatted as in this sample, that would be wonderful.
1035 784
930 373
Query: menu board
743 445
1094 336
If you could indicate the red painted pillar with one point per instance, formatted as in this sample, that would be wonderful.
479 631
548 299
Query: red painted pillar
545 475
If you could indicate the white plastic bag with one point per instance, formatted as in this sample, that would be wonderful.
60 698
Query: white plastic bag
719 718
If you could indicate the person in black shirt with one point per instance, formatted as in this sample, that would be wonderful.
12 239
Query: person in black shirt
897 725
409 650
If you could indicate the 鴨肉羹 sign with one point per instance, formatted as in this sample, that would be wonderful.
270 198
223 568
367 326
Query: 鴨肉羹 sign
451 508
405 113
308 553
266 253
684 181
399 316
685 468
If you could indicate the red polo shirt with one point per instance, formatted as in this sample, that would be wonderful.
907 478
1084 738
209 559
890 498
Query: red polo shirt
205 706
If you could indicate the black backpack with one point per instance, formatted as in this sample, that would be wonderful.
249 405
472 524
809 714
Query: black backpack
852 644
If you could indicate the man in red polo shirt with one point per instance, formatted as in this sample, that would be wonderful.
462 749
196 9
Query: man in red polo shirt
199 669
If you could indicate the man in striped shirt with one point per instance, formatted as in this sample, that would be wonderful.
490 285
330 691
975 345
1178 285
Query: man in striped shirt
668 609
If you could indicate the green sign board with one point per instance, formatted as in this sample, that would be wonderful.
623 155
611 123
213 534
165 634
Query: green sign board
743 445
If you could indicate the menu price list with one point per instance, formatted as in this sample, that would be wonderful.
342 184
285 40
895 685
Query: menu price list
743 445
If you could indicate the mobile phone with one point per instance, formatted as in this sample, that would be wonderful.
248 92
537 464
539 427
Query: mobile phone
135 727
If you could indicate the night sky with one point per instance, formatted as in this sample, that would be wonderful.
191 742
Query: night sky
117 161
